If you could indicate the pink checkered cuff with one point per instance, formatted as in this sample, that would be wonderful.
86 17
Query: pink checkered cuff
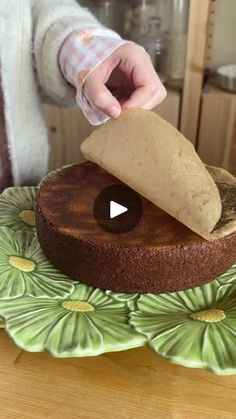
81 53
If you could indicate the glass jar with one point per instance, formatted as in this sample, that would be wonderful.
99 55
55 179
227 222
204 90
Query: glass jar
176 39
145 29
137 19
154 44
111 13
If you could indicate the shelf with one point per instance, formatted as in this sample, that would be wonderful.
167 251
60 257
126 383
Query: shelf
212 90
217 128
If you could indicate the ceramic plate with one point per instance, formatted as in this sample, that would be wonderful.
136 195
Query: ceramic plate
44 310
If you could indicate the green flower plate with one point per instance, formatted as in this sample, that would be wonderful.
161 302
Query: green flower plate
44 310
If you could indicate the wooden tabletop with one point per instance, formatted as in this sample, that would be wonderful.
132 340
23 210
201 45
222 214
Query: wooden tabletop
134 384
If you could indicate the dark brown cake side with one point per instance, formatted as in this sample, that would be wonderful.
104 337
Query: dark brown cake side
159 255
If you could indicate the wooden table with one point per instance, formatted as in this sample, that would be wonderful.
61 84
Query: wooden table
135 384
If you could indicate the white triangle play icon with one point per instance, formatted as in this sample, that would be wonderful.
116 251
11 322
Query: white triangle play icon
116 209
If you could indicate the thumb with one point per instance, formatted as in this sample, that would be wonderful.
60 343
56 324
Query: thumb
98 94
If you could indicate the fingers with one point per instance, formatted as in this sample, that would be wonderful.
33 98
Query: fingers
146 97
148 89
100 97
129 68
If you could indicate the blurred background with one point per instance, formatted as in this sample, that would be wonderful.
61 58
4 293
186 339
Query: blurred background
192 47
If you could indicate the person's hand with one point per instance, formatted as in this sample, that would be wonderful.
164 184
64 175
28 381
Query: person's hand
126 79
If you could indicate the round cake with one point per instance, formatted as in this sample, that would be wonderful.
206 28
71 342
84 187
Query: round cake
158 255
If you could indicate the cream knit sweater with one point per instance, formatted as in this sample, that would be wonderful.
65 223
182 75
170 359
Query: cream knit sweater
31 34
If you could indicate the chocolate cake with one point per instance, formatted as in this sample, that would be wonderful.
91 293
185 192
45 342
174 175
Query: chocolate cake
158 255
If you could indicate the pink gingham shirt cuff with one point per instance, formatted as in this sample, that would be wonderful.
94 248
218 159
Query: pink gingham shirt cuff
81 53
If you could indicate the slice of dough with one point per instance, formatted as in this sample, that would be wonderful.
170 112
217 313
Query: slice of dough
153 158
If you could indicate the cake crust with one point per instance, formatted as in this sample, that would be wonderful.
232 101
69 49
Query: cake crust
158 255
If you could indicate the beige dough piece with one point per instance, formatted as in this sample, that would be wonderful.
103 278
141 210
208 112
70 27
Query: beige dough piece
153 158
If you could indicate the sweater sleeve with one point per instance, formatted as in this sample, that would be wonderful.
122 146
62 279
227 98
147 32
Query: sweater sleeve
53 21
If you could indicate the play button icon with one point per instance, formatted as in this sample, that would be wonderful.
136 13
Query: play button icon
117 209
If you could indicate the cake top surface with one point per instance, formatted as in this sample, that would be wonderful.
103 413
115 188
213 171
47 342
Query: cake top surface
66 200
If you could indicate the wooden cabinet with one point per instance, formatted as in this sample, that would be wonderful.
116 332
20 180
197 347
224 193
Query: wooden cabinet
206 116
217 129
194 67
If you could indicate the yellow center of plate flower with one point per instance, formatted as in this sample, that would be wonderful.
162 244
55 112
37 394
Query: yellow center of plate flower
77 306
28 216
212 315
24 265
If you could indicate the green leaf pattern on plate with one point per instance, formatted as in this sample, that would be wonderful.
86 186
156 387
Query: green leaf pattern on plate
229 277
17 208
87 323
24 269
129 299
195 328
